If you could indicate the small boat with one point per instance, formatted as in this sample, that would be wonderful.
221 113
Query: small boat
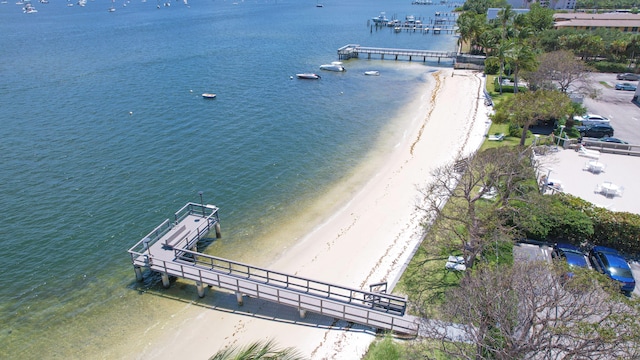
308 76
209 96
334 66
372 73
380 19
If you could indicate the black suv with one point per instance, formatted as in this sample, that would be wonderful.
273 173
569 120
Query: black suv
596 130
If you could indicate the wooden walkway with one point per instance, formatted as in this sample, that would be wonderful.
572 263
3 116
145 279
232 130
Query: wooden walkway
170 249
354 51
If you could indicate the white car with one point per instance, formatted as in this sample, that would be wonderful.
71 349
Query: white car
591 119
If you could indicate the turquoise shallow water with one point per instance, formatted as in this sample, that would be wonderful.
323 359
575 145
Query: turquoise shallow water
105 134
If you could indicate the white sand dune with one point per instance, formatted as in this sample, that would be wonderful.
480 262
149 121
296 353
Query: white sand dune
367 240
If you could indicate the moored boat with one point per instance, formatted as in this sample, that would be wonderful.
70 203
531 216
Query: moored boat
311 76
380 19
372 73
334 66
209 96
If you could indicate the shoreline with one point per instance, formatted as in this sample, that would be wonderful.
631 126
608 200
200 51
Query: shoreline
365 238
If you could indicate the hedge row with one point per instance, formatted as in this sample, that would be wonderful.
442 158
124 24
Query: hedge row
605 66
506 88
619 230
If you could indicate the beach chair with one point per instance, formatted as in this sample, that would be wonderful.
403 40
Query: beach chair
591 154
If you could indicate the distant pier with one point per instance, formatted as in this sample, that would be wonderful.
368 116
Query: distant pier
351 51
442 23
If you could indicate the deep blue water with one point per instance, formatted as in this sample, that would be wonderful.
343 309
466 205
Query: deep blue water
105 134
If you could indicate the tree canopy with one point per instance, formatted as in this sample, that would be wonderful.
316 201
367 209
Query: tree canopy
526 108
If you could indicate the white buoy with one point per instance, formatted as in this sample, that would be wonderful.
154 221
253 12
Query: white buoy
130 112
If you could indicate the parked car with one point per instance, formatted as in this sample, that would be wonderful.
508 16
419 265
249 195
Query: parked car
609 262
612 140
596 130
590 119
625 86
569 253
572 255
628 77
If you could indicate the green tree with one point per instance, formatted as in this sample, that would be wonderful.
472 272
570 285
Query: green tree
539 18
527 108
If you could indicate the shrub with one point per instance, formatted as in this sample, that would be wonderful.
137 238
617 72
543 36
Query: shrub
384 349
515 130
506 88
606 66
491 68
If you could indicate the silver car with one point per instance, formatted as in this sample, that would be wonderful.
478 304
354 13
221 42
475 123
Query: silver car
628 77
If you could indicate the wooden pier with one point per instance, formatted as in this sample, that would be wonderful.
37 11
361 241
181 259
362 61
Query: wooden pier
351 51
171 250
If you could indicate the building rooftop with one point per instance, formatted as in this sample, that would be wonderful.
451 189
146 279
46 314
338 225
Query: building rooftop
607 20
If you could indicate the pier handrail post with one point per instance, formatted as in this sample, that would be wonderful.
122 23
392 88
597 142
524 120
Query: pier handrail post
201 202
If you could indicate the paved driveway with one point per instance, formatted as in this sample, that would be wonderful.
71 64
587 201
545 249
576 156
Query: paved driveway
616 105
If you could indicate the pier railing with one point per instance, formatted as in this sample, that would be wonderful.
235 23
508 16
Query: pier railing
353 51
209 214
378 310
379 301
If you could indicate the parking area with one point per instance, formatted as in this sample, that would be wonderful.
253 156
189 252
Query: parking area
542 252
569 168
617 105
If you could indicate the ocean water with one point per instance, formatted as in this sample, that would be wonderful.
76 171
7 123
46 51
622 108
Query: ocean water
104 134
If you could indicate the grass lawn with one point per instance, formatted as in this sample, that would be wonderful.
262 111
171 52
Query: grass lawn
605 84
495 93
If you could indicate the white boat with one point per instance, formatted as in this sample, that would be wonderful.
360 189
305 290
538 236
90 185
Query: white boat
372 73
380 19
334 66
29 9
209 96
311 76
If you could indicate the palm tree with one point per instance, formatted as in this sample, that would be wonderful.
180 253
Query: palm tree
504 17
470 27
522 57
259 350
502 53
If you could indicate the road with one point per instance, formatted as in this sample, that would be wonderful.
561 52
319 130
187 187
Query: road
616 105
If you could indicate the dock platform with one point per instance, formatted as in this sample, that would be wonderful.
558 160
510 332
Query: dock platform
171 250
351 51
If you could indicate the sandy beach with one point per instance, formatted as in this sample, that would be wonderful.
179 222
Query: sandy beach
365 239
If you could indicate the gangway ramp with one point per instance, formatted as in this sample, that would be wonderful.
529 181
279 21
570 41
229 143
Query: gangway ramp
165 255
